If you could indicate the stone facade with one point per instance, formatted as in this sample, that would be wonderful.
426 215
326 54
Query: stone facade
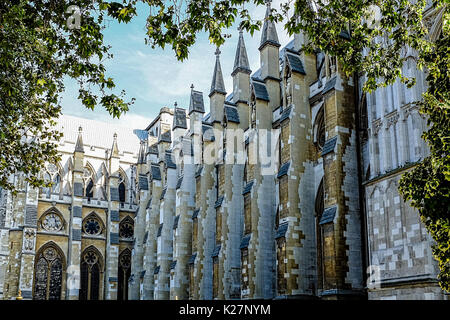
74 240
287 188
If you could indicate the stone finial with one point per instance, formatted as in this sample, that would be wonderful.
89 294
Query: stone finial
269 32
217 85
79 145
115 148
241 59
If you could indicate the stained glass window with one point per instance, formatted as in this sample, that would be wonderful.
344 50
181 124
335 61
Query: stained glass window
126 228
124 274
48 274
90 275
92 225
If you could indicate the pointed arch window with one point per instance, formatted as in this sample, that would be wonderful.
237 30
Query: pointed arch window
52 221
124 274
48 273
253 110
319 207
92 225
122 188
91 274
126 228
319 128
88 179
288 86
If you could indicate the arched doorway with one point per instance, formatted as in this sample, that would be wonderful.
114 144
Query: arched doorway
91 274
48 273
124 274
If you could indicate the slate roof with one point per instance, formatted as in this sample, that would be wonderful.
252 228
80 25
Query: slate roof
260 91
192 258
175 221
143 182
217 84
216 251
231 114
208 133
179 119
295 63
153 149
156 173
187 147
195 214
269 32
248 187
218 202
281 231
257 75
329 146
169 160
165 137
159 230
283 169
328 215
245 241
329 85
286 114
241 59
196 103
288 47
173 264
141 134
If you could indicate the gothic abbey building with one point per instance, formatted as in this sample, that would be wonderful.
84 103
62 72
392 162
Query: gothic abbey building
287 188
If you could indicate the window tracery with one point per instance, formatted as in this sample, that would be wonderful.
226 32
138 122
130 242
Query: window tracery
126 228
52 222
48 273
91 270
92 225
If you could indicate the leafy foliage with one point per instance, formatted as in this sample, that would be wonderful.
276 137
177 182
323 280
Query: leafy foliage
38 49
428 184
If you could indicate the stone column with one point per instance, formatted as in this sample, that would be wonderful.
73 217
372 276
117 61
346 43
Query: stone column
112 229
206 216
152 224
167 212
74 254
29 243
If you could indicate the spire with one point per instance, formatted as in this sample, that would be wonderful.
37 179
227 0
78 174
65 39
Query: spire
269 32
241 59
115 148
79 144
217 84
196 103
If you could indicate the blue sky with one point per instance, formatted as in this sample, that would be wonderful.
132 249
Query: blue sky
154 77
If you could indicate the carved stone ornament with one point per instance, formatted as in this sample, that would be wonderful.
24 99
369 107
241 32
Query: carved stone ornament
29 237
52 222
